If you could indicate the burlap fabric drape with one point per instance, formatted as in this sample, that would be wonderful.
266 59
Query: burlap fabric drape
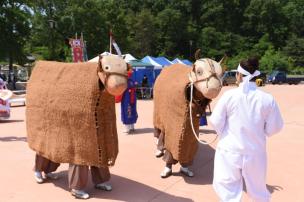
171 112
68 118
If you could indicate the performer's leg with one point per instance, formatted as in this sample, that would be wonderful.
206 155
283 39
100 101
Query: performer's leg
78 178
157 132
168 158
45 165
254 173
127 128
159 142
184 169
227 179
132 128
100 175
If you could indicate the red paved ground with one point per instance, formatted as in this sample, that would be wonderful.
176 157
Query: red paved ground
135 176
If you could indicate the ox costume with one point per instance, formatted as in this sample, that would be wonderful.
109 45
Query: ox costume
243 118
128 106
175 141
71 119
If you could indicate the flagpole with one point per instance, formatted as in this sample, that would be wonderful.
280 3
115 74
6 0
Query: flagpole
110 41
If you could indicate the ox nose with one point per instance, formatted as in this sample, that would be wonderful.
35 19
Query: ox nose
116 85
210 89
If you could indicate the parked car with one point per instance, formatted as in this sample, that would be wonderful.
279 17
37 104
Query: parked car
279 77
229 78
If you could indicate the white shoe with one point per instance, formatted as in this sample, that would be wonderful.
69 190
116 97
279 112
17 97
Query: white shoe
159 153
80 194
186 171
166 172
52 176
127 129
38 177
103 186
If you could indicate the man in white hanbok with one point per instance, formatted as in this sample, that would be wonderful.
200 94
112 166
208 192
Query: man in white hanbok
243 118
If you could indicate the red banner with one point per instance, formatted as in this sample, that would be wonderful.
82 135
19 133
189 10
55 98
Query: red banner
77 50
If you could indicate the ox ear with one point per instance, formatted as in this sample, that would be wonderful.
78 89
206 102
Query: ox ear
222 63
99 63
197 54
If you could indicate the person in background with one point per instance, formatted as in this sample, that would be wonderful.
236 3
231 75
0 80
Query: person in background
243 118
144 85
203 119
128 106
144 82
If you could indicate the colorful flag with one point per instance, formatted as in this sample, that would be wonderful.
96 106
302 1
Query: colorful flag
77 50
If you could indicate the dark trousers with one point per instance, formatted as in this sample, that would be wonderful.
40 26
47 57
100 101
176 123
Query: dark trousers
79 175
168 158
45 165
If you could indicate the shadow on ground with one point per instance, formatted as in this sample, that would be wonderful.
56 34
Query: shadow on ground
11 121
139 131
12 138
207 131
273 188
124 189
202 166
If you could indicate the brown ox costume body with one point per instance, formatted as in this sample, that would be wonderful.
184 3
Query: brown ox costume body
171 114
172 111
71 119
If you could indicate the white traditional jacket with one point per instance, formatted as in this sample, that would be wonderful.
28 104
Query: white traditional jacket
244 120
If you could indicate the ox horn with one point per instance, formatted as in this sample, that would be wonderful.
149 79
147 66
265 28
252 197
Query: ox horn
197 54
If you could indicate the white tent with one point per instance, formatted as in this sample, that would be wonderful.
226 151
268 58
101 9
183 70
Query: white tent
127 57
95 59
177 60
151 60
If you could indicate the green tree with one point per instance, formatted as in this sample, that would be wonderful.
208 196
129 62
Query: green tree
172 38
273 60
295 50
15 29
263 17
143 34
294 11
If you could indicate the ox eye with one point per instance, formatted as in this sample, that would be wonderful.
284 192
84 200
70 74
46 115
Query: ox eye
199 72
107 67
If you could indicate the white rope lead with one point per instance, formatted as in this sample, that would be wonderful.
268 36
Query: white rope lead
191 121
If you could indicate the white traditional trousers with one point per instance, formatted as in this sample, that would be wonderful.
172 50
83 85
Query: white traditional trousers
230 168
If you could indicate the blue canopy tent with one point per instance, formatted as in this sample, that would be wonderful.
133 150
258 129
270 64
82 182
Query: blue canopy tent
140 69
157 66
177 61
187 62
163 61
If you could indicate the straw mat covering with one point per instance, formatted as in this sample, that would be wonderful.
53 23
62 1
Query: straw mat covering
171 112
69 119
